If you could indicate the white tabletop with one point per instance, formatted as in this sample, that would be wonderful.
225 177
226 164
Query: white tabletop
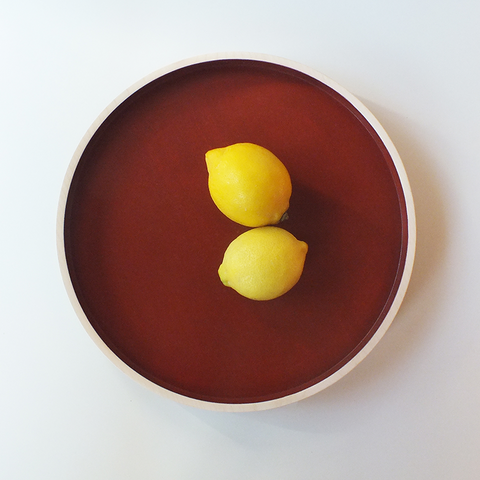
410 410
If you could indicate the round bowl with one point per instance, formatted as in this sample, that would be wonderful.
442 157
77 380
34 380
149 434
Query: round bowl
140 240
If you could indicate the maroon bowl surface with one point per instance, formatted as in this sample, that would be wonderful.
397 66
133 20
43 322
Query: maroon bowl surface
141 239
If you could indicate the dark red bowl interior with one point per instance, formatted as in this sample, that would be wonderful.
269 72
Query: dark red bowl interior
143 239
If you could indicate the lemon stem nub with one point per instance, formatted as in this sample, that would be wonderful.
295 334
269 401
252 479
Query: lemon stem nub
221 274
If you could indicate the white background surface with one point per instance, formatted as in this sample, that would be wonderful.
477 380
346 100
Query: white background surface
410 410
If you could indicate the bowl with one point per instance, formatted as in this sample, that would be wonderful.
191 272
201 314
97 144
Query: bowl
140 240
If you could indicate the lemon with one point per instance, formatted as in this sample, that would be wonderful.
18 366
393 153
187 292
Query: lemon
263 263
249 184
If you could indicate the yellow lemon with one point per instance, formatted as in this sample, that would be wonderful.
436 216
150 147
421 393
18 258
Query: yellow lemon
263 263
249 184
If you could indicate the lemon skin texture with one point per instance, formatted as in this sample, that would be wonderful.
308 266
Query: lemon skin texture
249 184
263 263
